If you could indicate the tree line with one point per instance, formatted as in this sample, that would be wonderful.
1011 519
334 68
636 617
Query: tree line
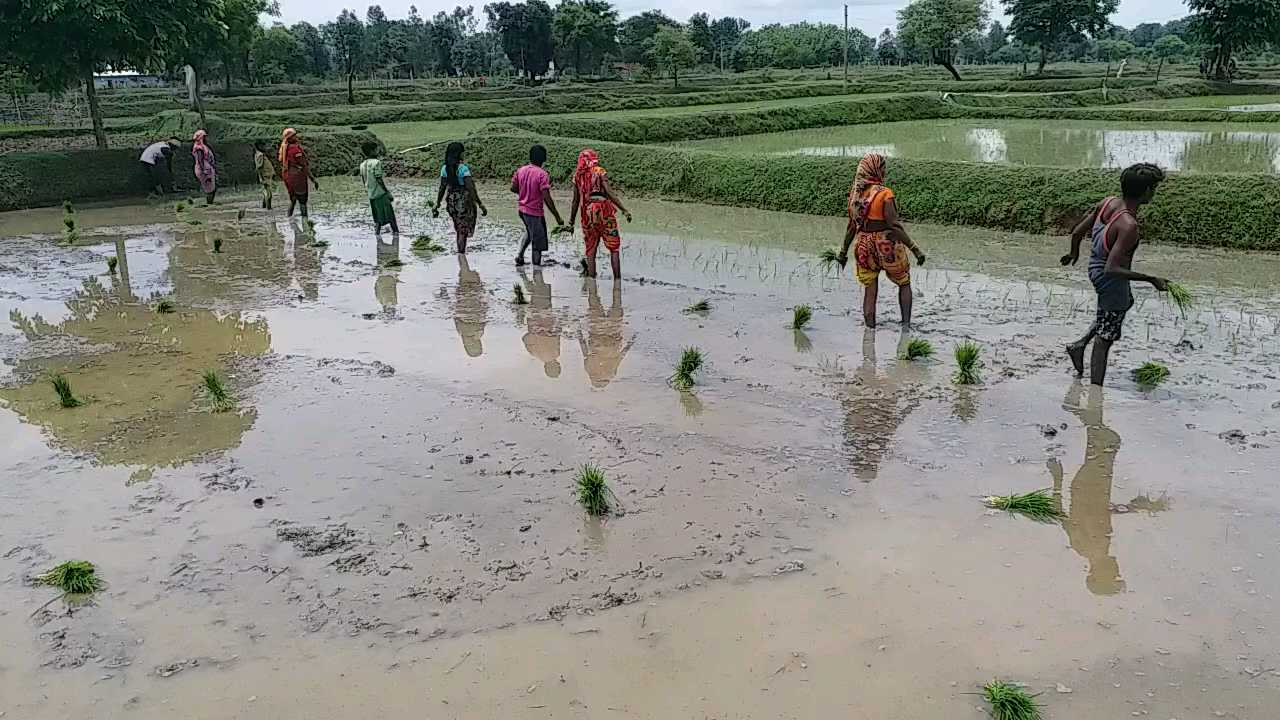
56 44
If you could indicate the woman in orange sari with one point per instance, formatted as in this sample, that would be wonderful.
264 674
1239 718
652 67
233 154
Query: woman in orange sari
600 207
880 243
295 168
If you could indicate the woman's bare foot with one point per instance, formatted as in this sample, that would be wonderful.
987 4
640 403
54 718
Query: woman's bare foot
1076 353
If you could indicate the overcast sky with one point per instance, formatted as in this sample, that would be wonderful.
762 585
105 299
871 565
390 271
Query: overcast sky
870 15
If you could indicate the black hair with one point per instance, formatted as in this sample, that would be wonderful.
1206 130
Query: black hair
369 148
538 155
1139 180
260 146
452 158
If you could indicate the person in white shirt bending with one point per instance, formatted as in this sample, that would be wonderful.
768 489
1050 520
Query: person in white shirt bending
161 177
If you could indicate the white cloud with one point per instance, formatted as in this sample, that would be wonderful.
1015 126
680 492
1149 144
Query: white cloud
870 15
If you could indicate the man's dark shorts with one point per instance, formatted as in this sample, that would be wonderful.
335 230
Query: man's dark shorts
1109 324
536 227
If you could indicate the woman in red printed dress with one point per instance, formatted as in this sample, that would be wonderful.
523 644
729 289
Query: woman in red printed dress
600 207
295 167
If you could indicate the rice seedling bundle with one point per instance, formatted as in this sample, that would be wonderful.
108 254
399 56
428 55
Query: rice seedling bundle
1151 374
1037 505
968 361
74 577
592 490
800 316
690 363
62 386
918 348
1010 702
517 295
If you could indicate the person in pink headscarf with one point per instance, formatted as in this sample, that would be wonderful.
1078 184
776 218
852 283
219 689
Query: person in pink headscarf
206 166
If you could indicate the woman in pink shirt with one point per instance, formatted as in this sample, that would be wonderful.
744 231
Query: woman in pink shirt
532 185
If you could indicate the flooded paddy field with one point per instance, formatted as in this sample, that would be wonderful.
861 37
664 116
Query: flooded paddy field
386 521
1195 147
1242 103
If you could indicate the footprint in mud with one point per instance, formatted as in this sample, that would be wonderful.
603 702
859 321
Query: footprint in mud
313 540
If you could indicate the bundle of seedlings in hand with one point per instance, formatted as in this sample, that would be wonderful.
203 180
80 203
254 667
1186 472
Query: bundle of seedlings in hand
74 577
917 349
800 316
219 397
1151 374
112 261
1010 702
1181 297
517 295
1037 505
690 363
702 306
62 386
967 363
424 244
828 257
592 490
164 307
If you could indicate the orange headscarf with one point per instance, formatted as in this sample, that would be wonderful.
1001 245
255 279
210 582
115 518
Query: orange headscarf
289 134
871 171
588 161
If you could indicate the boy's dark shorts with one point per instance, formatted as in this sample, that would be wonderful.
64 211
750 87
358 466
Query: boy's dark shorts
536 226
1109 324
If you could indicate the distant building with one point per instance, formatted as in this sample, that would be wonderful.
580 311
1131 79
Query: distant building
116 79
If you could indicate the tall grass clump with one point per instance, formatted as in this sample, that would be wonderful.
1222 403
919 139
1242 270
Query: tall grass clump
518 296
70 228
1037 505
800 317
62 386
1010 702
691 361
917 349
220 399
180 206
1151 374
967 363
593 492
1181 298
702 306
74 577
112 261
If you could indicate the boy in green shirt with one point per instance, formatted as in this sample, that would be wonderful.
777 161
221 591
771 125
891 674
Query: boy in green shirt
371 174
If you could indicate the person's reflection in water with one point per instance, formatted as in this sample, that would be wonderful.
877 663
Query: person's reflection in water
121 279
874 408
543 337
385 288
1088 523
604 345
469 308
306 262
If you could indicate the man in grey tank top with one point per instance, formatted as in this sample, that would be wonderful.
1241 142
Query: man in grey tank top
1113 228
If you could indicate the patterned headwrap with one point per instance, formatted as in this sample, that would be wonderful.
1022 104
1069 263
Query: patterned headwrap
289 133
588 161
870 174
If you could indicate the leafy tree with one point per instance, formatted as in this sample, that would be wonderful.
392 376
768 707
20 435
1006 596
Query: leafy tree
935 28
346 37
699 30
1234 26
1014 53
1169 47
278 56
887 50
1047 23
445 32
525 30
635 34
242 30
1113 51
203 39
315 53
726 33
1146 34
673 51
376 28
59 43
584 32
796 46
997 37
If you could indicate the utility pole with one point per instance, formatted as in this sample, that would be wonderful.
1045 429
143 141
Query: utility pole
846 47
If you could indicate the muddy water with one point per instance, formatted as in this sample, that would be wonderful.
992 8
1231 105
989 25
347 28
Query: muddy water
801 536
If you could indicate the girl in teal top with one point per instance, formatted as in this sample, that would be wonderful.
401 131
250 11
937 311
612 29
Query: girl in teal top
458 193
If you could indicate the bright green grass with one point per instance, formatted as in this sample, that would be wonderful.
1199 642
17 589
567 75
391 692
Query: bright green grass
1213 102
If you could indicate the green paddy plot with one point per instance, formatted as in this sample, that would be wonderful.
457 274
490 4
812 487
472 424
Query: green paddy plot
402 135
1082 144
1241 103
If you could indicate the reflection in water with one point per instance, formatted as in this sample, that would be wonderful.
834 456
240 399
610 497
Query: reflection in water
1088 522
874 408
143 393
542 338
604 344
802 342
385 287
306 262
470 309
693 407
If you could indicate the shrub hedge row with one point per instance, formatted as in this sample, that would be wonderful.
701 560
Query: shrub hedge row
1029 199
1096 96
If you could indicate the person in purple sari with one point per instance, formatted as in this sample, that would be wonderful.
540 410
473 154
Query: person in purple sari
206 168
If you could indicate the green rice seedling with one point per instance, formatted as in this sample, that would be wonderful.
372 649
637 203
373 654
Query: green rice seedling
217 245
240 215
219 397
593 492
517 295
702 306
1151 374
800 316
62 386
112 261
70 229
311 227
828 258
1181 297
68 208
1010 702
195 222
967 363
1037 505
393 263
424 244
165 307
180 206
691 361
918 349
74 577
